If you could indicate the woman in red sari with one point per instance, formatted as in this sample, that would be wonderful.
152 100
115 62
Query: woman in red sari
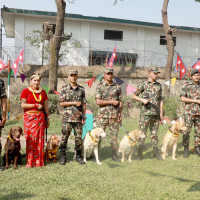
34 101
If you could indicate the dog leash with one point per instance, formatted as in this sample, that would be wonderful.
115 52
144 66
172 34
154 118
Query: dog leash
126 133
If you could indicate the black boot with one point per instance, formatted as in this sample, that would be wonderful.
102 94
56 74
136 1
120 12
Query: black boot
79 158
156 153
115 156
62 157
140 151
186 151
197 150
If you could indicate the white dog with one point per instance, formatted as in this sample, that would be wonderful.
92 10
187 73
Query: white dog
90 143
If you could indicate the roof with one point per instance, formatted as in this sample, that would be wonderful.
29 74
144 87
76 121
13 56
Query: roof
9 13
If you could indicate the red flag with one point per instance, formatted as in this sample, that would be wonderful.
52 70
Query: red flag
183 70
89 82
197 65
18 60
113 57
56 92
2 65
178 62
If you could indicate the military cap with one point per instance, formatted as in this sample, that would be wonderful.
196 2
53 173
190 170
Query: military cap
73 71
154 69
194 71
108 69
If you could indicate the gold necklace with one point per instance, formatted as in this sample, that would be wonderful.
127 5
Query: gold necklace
40 97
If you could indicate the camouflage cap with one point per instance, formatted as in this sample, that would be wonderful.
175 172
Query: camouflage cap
73 71
108 69
154 69
194 71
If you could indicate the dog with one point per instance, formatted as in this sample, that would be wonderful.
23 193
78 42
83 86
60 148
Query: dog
171 138
128 142
91 142
12 148
51 149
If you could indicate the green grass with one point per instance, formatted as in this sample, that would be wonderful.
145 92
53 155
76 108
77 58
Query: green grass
146 179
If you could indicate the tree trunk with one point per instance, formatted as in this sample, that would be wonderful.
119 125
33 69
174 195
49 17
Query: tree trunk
55 44
170 46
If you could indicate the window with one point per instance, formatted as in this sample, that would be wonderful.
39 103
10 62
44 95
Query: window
113 35
163 40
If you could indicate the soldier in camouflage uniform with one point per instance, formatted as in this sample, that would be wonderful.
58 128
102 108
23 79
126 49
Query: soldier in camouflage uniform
72 98
109 99
150 92
190 95
3 109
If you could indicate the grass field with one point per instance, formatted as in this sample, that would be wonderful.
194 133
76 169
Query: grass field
146 179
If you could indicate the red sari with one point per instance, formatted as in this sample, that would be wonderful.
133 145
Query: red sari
34 128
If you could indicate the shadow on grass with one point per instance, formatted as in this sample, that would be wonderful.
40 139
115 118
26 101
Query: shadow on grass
194 188
17 195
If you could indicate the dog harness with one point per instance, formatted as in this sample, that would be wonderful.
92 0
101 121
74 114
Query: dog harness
131 141
174 134
92 138
52 153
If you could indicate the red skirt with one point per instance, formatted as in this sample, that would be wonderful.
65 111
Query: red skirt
34 128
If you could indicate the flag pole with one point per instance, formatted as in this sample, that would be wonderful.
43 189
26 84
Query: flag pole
8 89
189 70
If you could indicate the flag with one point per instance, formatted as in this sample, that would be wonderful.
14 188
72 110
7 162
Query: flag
56 92
89 82
23 77
45 88
118 81
99 77
113 57
167 83
178 62
2 65
197 65
173 80
18 60
130 89
183 70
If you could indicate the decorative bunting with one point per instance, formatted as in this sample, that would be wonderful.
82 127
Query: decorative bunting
100 77
197 65
173 80
56 92
23 77
118 81
18 60
2 65
113 57
130 89
167 83
89 82
45 88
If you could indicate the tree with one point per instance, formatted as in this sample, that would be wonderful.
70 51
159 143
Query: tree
170 45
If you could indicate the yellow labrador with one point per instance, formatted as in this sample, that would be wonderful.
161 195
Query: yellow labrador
128 142
90 143
171 138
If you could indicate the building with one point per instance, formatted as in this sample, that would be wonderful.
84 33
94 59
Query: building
140 44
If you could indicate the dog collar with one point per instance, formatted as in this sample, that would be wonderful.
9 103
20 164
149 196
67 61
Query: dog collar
92 138
52 153
174 134
11 139
131 141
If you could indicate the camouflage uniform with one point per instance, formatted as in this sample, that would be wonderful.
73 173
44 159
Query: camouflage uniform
2 95
108 115
192 112
150 113
72 117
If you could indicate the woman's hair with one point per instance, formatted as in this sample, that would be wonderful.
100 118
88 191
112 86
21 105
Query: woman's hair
35 75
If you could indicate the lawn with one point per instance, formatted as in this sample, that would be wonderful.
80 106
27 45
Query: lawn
146 179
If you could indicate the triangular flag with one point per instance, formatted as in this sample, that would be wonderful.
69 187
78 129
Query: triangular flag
183 71
45 88
113 57
2 65
23 77
56 92
178 62
173 80
130 89
18 60
118 81
11 72
89 82
99 77
167 83
197 65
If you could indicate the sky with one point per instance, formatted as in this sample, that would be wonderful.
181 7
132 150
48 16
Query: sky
180 12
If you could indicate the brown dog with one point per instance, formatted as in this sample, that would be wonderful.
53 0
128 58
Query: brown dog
128 142
51 149
12 147
171 138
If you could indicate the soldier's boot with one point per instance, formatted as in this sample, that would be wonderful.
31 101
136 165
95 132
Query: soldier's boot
156 153
197 150
79 158
186 151
115 156
140 152
62 157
